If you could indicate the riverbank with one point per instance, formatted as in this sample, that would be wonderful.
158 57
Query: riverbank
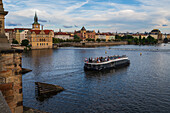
88 44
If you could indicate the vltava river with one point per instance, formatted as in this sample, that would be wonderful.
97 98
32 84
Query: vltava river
143 86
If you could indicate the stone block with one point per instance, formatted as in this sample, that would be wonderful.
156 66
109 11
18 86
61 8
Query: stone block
17 86
20 103
12 104
18 97
2 80
19 109
5 73
7 93
9 98
8 86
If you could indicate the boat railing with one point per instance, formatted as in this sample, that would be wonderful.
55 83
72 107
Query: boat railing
103 59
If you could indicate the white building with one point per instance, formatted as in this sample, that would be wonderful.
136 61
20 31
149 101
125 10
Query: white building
62 35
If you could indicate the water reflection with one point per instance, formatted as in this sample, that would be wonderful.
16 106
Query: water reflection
107 72
126 89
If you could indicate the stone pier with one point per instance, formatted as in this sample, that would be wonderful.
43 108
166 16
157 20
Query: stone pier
11 79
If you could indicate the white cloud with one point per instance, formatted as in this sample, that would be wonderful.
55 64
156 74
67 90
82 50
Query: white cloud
107 16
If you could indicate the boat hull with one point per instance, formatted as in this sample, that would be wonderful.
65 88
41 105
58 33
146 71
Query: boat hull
103 66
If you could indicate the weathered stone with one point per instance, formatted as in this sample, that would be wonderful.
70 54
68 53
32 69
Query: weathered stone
2 80
12 104
3 105
19 109
20 103
8 93
19 97
4 87
9 98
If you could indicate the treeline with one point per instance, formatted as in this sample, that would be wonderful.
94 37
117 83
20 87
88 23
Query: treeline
140 41
76 39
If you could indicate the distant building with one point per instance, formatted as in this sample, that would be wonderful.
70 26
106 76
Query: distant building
168 36
10 33
156 34
111 36
40 39
101 36
18 34
21 34
62 35
85 34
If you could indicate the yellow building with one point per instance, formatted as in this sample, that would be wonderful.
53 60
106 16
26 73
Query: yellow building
40 39
36 25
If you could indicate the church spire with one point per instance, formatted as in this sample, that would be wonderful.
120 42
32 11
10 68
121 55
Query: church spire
35 19
36 25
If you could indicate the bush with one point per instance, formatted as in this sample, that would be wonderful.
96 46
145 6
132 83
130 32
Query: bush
90 39
14 41
98 40
25 42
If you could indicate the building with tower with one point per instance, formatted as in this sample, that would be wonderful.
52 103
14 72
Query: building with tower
156 34
40 39
36 25
85 34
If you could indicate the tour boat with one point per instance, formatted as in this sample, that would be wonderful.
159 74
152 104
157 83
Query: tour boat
102 63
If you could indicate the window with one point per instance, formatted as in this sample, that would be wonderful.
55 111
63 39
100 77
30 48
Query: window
40 44
37 44
47 44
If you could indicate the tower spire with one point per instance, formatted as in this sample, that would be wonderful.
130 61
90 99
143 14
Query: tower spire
35 18
36 25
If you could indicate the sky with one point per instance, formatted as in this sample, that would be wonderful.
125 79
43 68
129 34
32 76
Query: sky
104 15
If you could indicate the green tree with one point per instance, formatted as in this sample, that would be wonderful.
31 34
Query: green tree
104 40
166 40
14 41
76 37
117 37
25 42
143 41
140 39
98 40
136 41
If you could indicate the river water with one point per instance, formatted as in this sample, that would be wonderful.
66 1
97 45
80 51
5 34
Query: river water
141 87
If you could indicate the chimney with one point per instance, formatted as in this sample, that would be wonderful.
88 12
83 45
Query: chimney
42 27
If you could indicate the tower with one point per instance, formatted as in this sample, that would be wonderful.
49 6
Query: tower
3 39
83 32
36 25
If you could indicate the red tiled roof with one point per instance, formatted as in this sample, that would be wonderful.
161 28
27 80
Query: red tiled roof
6 30
22 29
61 33
38 31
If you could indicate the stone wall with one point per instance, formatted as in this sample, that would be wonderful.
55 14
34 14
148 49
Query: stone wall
91 44
11 79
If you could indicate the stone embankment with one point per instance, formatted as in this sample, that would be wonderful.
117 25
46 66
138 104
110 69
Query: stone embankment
89 44
11 79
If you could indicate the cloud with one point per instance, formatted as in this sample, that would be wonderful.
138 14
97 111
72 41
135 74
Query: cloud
164 25
42 20
67 26
132 16
76 26
13 24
